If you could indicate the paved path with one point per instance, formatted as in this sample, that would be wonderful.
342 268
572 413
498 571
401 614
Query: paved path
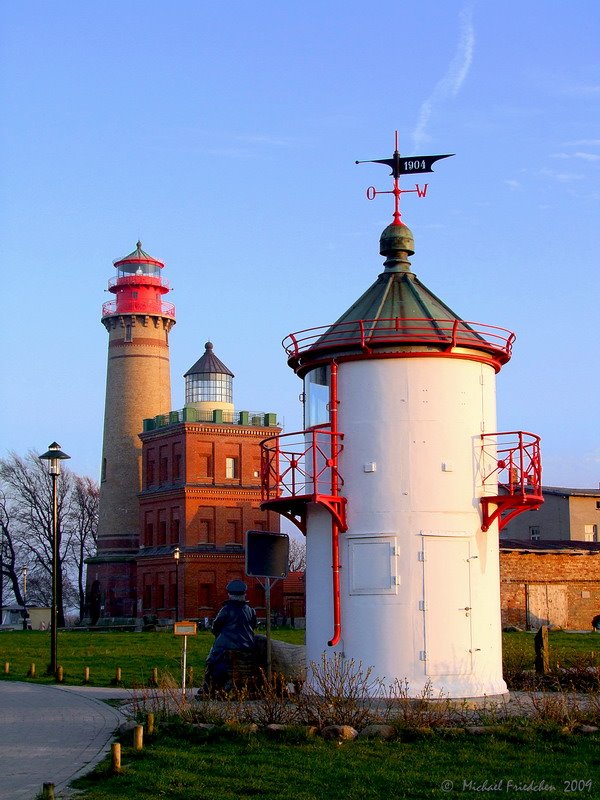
52 734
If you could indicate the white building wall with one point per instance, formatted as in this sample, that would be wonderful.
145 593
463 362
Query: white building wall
412 478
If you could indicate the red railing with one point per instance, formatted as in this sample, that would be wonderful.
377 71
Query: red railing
301 465
371 333
139 280
517 471
127 306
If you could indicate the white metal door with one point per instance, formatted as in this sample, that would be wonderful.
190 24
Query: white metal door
447 581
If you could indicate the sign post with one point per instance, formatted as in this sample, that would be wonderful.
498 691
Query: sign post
267 556
184 629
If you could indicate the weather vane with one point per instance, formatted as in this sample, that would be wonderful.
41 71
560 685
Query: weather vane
403 165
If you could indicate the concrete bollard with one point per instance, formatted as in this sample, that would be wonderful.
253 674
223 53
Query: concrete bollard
60 674
7 667
118 675
86 674
116 758
154 677
150 723
31 671
48 791
138 737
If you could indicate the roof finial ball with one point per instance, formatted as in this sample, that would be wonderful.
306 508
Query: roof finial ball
396 244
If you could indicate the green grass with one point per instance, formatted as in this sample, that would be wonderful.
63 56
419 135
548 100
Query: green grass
566 649
135 653
228 767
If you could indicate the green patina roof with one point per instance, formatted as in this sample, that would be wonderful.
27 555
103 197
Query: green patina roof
137 257
398 293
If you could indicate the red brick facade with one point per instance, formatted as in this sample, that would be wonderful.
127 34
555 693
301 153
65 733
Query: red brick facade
200 492
552 585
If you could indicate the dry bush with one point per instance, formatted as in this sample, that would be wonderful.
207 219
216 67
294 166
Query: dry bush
559 707
165 700
581 675
273 703
337 692
424 711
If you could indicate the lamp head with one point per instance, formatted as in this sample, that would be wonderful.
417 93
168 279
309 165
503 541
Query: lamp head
54 455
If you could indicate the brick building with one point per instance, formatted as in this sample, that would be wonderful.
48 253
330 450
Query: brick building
200 493
554 583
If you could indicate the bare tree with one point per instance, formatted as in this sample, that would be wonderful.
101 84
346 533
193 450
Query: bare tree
85 497
297 556
27 495
12 555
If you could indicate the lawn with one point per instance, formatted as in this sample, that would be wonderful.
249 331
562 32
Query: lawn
135 653
228 767
520 757
138 653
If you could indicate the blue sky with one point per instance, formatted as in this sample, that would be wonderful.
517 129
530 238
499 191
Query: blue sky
224 136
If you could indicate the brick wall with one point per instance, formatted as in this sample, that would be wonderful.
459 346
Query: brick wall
570 581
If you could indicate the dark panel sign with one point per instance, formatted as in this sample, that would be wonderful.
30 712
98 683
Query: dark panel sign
408 165
267 554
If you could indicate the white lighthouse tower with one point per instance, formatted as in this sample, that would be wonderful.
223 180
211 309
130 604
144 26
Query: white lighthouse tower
401 481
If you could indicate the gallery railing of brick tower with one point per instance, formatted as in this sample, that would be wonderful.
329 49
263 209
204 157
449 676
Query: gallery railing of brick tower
301 468
514 465
127 306
137 280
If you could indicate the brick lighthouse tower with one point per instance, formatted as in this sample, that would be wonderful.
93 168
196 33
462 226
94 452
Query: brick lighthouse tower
138 386
401 481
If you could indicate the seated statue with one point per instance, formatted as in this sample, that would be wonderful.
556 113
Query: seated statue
234 630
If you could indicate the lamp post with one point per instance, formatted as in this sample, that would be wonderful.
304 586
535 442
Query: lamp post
24 574
176 555
54 456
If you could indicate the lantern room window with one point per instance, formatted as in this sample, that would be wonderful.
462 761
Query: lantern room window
201 387
316 397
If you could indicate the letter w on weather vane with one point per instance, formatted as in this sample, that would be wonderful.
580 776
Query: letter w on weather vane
403 165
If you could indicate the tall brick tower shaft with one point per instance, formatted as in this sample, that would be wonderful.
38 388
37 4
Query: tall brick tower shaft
138 386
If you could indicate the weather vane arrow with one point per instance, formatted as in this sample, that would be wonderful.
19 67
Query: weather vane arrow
403 165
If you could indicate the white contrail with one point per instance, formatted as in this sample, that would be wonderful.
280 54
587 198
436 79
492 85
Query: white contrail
450 84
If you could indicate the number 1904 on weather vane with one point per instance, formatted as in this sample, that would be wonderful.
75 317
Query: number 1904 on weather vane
400 165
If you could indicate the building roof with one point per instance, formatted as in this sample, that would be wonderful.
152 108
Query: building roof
294 583
398 292
209 364
566 492
397 311
550 546
136 259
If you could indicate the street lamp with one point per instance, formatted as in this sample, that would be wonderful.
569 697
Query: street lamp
24 574
176 554
54 456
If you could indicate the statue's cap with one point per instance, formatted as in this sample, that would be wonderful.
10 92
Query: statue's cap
236 587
